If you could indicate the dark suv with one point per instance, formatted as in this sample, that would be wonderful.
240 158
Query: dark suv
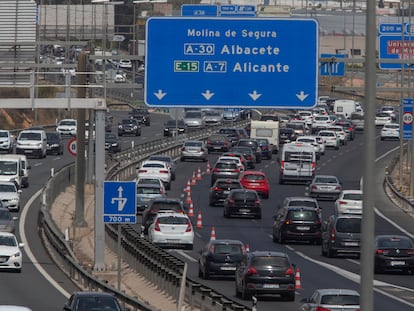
341 235
129 126
220 257
159 205
254 145
218 142
141 115
297 223
266 273
221 189
242 202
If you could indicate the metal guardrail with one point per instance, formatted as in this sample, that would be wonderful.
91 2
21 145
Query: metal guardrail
157 265
406 203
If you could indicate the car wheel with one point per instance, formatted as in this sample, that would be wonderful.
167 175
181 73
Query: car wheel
168 186
331 253
190 247
244 295
318 241
382 138
200 273
336 147
206 274
274 238
211 203
266 196
225 214
18 270
377 270
324 252
258 216
290 296
182 159
238 293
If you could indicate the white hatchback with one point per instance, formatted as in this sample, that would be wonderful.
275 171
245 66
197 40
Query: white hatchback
172 229
390 131
67 127
349 202
10 196
329 138
10 252
158 169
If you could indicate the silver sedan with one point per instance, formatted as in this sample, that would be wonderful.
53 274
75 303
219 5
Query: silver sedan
325 187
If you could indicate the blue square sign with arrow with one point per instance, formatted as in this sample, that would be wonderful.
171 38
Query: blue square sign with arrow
120 202
231 62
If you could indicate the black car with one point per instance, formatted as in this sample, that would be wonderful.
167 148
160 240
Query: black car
254 145
54 143
266 273
287 135
128 127
297 223
242 202
218 142
82 300
221 189
159 205
394 253
248 154
112 142
174 127
220 257
141 115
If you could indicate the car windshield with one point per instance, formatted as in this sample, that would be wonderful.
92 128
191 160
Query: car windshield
270 261
67 123
8 241
172 220
212 113
353 196
349 225
110 136
342 300
30 136
155 165
395 242
7 188
228 249
97 303
302 215
392 126
52 136
8 167
5 215
127 121
303 203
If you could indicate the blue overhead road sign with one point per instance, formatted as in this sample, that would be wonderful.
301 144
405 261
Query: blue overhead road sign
392 29
334 67
120 202
199 10
395 47
231 62
237 10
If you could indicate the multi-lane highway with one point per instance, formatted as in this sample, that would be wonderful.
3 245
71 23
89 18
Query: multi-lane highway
30 288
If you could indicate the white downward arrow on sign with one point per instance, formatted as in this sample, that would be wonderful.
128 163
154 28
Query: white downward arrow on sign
302 96
255 95
207 94
160 94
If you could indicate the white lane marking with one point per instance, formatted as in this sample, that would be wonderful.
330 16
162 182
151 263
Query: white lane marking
393 223
182 253
38 164
29 252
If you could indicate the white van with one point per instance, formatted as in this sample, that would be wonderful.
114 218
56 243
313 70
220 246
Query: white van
266 129
24 166
297 162
346 107
32 143
11 169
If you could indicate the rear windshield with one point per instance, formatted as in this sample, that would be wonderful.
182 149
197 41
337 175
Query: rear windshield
156 165
326 180
344 300
7 188
228 131
228 249
254 177
147 190
166 206
228 184
226 165
30 136
298 156
246 143
349 225
244 195
355 116
395 242
303 203
271 261
217 138
302 215
353 196
295 126
172 220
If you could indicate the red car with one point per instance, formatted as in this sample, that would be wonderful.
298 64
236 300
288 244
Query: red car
255 180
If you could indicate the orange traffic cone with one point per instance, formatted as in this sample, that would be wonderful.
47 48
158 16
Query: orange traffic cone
199 224
247 247
198 174
188 188
297 279
208 170
188 200
193 180
191 210
213 234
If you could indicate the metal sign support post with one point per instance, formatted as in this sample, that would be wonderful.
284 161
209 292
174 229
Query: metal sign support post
119 251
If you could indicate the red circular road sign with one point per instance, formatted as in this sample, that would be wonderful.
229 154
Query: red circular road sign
72 146
408 117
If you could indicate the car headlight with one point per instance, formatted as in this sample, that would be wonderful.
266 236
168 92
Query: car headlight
16 255
120 127
14 200
114 144
135 127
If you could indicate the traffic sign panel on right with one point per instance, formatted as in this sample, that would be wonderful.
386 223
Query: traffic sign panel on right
407 118
231 62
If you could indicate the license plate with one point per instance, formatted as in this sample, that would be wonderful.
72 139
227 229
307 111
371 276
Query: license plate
244 210
226 192
28 151
302 228
351 243
173 241
270 285
397 263
217 147
228 268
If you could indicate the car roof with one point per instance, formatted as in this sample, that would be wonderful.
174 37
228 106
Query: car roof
352 191
250 172
267 253
3 233
149 186
93 294
171 214
300 208
330 291
303 198
390 236
226 241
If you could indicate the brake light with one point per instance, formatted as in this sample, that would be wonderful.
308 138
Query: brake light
157 226
287 222
383 251
142 171
314 187
249 157
215 170
332 235
282 165
164 172
236 170
322 309
251 270
183 149
337 188
410 252
211 249
202 149
216 189
189 227
208 142
231 201
317 222
341 202
257 202
289 271
313 166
